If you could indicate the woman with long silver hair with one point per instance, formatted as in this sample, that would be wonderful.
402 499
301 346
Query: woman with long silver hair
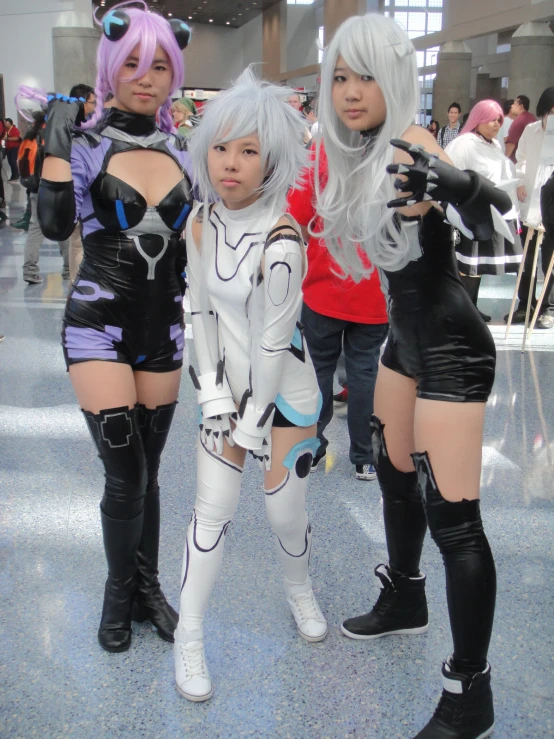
256 385
438 367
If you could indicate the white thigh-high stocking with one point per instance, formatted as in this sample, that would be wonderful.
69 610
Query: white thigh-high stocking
217 496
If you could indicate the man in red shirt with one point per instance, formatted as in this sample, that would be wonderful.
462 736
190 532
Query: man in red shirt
2 201
340 314
520 108
13 140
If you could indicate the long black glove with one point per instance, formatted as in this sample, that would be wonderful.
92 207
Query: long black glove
429 178
547 206
61 116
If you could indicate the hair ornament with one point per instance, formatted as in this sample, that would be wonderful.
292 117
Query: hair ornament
115 24
181 32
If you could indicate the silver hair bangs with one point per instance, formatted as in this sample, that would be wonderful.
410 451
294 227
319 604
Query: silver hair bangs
252 106
353 201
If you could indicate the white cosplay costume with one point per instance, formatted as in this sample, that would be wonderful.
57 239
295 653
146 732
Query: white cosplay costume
246 294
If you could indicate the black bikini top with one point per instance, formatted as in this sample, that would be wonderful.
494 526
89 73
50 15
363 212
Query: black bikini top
117 205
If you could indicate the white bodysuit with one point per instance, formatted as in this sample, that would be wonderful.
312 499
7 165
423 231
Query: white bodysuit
248 319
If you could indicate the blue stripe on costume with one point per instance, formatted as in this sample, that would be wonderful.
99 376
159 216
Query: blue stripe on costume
120 210
182 215
298 419
312 444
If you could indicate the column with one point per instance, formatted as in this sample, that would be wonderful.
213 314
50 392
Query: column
274 40
337 11
531 61
453 80
74 43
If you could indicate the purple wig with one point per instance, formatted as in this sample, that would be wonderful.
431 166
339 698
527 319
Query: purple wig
485 111
148 30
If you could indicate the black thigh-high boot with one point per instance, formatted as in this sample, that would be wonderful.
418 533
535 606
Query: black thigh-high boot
466 708
402 606
116 434
150 603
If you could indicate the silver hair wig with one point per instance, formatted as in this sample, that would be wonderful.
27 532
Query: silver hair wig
353 202
252 106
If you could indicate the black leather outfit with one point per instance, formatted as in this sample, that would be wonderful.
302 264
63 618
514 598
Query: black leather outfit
126 304
436 333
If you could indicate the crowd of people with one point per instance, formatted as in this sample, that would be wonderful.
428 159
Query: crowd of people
159 200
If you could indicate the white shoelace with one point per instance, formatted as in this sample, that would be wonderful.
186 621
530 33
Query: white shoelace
307 606
193 659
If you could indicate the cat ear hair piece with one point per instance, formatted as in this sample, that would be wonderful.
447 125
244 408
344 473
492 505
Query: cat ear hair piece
181 31
115 24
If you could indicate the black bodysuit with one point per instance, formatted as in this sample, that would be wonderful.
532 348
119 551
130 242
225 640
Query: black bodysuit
436 333
126 303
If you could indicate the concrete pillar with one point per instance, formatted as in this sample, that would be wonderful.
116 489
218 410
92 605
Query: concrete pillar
337 11
274 40
453 80
487 88
531 61
74 56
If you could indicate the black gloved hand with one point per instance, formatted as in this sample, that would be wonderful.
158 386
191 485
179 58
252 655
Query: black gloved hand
61 115
429 178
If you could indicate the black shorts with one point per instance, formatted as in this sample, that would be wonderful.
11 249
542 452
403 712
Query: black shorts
444 345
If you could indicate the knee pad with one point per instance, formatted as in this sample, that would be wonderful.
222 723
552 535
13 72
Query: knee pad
116 434
154 427
397 486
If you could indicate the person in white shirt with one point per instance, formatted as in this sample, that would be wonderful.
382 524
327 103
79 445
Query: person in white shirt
477 148
532 175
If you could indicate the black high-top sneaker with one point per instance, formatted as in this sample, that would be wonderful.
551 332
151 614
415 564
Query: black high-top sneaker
400 609
465 710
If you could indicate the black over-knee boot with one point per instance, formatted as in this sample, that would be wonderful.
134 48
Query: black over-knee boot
150 603
466 708
402 606
116 434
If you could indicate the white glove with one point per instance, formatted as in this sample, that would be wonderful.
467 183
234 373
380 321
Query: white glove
253 426
213 392
214 430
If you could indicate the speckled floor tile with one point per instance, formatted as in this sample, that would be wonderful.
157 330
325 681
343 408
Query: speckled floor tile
56 681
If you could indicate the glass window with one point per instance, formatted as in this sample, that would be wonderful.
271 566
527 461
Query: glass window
420 56
321 34
434 22
431 56
435 3
416 21
416 3
402 20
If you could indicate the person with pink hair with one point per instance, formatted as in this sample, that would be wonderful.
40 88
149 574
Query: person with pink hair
126 178
477 148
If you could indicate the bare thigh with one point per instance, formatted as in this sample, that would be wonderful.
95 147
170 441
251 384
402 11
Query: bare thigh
102 385
282 441
157 388
452 436
395 401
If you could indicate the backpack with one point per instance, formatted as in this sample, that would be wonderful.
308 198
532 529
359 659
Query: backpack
27 161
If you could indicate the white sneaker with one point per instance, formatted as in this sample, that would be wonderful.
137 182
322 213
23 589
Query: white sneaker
310 622
191 672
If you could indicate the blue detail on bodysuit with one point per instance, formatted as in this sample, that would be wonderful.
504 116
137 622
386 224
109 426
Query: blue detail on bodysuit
182 215
296 340
292 415
140 359
312 444
120 210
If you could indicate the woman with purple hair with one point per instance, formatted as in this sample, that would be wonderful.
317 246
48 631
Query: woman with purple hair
477 148
126 178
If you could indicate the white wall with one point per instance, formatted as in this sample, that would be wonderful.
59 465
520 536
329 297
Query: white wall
26 43
302 36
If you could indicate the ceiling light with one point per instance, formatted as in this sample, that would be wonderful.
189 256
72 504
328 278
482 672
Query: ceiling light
190 17
227 23
170 14
210 20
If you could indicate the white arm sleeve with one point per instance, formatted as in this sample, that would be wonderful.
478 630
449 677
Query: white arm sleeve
213 391
282 286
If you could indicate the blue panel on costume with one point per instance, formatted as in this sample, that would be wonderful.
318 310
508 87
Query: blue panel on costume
296 340
298 419
120 210
182 215
140 359
312 444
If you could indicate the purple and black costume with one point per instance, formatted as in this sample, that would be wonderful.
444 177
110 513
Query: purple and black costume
126 303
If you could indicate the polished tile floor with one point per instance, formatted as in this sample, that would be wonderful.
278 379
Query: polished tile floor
55 681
